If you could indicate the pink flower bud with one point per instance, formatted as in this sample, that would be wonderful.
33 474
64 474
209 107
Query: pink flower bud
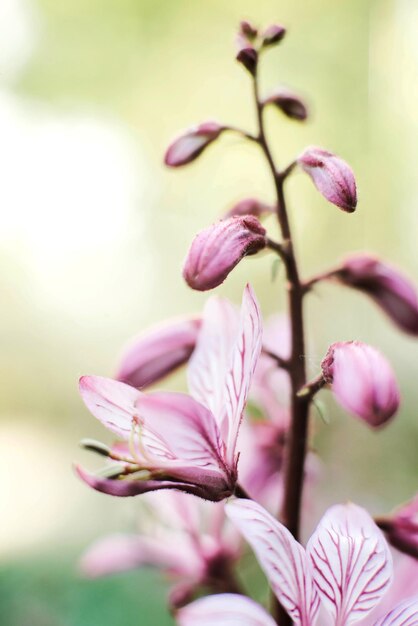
250 206
248 57
159 352
362 381
188 146
332 176
390 289
216 250
273 34
246 29
289 103
402 528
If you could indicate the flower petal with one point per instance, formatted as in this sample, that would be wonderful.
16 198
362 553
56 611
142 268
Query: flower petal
158 352
245 354
282 558
351 562
225 609
132 487
112 402
210 361
404 614
121 553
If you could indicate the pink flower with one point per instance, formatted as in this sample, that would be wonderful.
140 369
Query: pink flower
185 538
344 572
332 176
402 528
172 440
216 250
289 103
362 381
189 145
250 206
388 287
158 352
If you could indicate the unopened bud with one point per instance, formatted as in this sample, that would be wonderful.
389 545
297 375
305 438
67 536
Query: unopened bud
402 528
158 352
189 145
290 104
273 34
250 206
246 29
216 250
332 176
248 56
362 381
389 288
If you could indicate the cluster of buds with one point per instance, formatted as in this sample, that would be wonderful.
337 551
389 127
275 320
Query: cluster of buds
205 443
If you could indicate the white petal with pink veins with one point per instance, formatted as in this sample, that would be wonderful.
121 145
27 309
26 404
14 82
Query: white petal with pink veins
404 614
352 565
282 558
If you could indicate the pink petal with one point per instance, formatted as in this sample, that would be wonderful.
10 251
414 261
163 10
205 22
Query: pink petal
178 427
224 610
362 381
244 357
386 285
404 614
332 176
158 352
222 365
282 558
216 250
189 145
351 562
112 402
121 553
211 487
211 358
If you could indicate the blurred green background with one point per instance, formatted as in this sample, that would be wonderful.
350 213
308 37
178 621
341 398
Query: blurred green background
93 231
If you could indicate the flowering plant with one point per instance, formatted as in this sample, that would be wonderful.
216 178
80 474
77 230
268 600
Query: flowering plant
204 446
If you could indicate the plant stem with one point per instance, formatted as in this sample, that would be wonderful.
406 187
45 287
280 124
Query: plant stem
298 435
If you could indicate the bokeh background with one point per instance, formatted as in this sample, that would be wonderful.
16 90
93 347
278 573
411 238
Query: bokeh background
93 231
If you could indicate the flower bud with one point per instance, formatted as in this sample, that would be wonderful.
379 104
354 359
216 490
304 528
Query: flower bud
390 289
246 29
248 56
402 528
216 250
332 176
158 352
188 146
273 34
362 381
250 206
290 104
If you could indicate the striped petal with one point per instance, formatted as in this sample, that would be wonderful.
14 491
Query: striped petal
404 614
351 562
281 557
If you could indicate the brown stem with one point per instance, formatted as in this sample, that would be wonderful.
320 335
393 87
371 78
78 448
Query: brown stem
298 436
312 387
